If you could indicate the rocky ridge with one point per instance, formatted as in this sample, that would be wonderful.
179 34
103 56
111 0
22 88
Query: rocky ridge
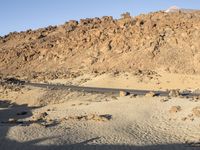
157 40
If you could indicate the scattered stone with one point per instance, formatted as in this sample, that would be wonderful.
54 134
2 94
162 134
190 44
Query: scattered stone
194 144
22 113
191 119
184 119
90 116
123 93
126 15
44 114
133 96
196 111
116 73
196 98
102 117
174 93
150 94
114 97
196 91
164 100
106 116
191 115
12 120
175 109
40 116
94 117
181 96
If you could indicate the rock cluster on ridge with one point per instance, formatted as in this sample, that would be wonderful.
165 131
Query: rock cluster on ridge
170 41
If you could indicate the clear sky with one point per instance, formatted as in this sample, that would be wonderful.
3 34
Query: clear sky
18 15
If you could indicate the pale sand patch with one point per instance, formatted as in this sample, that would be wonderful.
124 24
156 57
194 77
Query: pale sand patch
161 81
136 122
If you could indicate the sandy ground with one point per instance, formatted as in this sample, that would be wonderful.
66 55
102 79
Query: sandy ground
33 118
158 80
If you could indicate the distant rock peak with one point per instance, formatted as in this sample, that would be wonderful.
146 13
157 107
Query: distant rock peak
173 9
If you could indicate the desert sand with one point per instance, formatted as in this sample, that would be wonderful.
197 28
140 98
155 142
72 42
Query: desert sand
36 118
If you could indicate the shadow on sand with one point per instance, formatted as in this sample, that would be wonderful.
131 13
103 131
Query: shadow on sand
10 110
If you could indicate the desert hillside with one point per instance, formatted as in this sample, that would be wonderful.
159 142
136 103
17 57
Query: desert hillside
160 40
157 53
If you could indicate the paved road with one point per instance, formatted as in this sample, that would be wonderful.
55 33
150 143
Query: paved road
104 90
94 89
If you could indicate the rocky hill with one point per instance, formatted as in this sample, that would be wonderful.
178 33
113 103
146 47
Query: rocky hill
159 40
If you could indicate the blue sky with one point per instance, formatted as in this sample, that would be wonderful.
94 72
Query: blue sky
18 15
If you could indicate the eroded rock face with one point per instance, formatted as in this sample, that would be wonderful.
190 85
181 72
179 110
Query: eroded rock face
151 41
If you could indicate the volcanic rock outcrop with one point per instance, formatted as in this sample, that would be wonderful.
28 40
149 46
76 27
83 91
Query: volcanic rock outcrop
159 40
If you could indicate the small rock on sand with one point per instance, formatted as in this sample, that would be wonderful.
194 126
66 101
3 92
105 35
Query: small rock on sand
12 120
40 116
164 100
88 117
150 94
184 119
174 93
196 111
197 91
114 97
133 96
22 113
123 93
196 98
175 109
